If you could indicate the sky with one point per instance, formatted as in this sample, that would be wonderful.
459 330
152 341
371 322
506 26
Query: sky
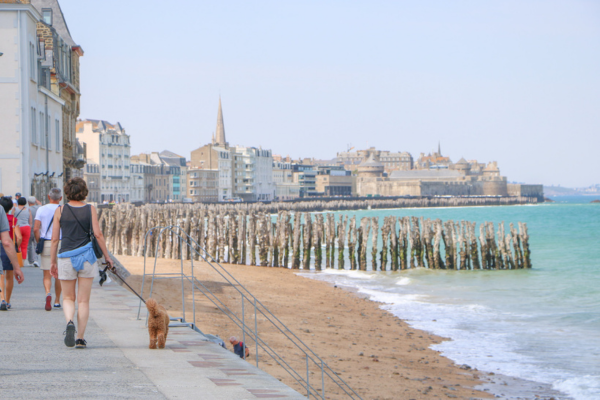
515 82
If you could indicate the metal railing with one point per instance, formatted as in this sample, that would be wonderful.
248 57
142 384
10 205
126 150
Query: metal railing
247 298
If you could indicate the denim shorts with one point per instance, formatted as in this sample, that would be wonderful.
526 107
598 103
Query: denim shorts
6 264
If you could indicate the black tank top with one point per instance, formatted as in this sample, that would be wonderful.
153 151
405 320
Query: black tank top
73 235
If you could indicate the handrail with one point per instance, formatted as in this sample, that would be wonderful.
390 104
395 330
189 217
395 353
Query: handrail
196 249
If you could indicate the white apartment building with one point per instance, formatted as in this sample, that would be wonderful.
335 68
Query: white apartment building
30 113
137 192
283 179
202 185
108 145
253 177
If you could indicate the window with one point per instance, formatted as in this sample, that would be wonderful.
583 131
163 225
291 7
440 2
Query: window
33 127
31 61
49 133
57 135
47 16
42 131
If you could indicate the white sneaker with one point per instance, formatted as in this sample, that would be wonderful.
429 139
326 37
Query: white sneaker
36 264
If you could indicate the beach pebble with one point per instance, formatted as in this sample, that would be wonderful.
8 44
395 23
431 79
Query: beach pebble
361 354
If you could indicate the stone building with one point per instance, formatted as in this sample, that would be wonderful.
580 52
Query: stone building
217 156
521 189
457 180
244 172
108 145
336 183
433 160
202 185
391 161
39 98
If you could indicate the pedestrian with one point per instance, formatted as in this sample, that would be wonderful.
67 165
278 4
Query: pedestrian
8 251
239 347
7 280
32 256
75 263
25 221
42 231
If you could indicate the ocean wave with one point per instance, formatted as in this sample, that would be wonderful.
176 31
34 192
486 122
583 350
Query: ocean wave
584 387
485 337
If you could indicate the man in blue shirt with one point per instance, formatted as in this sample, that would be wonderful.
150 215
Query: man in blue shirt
238 346
9 246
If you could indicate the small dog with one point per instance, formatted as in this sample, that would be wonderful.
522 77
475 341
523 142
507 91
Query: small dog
158 324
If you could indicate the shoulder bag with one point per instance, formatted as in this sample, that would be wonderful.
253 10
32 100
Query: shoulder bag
95 245
39 247
17 247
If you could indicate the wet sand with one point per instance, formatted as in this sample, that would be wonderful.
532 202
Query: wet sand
377 354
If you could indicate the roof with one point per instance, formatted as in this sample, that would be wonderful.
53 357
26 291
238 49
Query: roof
462 161
371 162
220 135
167 153
58 19
98 124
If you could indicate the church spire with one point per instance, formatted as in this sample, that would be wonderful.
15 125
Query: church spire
220 133
439 148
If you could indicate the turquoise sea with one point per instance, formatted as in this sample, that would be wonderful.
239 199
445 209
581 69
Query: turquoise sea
541 324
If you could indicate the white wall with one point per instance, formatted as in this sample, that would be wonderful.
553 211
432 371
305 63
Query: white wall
21 101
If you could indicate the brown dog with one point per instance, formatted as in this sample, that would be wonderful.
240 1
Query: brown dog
158 324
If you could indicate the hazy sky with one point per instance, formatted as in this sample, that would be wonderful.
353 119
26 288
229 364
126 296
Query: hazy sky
517 82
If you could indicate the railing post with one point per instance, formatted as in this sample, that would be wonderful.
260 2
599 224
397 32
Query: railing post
182 286
193 289
243 330
307 379
256 332
322 381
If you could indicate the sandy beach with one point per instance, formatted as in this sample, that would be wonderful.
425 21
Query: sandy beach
377 354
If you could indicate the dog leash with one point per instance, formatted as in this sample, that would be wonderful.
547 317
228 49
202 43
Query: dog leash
103 278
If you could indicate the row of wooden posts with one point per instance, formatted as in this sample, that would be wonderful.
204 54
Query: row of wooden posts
316 240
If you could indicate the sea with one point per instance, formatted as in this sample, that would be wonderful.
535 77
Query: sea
540 324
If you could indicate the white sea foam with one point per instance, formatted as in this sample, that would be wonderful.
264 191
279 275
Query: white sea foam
483 337
403 281
584 387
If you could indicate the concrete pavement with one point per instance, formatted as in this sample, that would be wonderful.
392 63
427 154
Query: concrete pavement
35 363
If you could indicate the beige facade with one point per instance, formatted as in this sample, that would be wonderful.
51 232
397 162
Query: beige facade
202 185
391 161
335 185
458 180
108 145
519 189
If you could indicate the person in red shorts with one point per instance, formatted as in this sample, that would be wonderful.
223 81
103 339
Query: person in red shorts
25 222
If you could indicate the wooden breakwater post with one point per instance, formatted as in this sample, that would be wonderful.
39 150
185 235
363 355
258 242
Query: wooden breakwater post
236 236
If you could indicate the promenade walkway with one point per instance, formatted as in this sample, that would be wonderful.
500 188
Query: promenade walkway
35 363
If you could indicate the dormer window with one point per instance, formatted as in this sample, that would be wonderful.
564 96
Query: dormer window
47 16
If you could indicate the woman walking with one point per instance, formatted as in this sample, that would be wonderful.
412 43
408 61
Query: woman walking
7 280
75 263
25 221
